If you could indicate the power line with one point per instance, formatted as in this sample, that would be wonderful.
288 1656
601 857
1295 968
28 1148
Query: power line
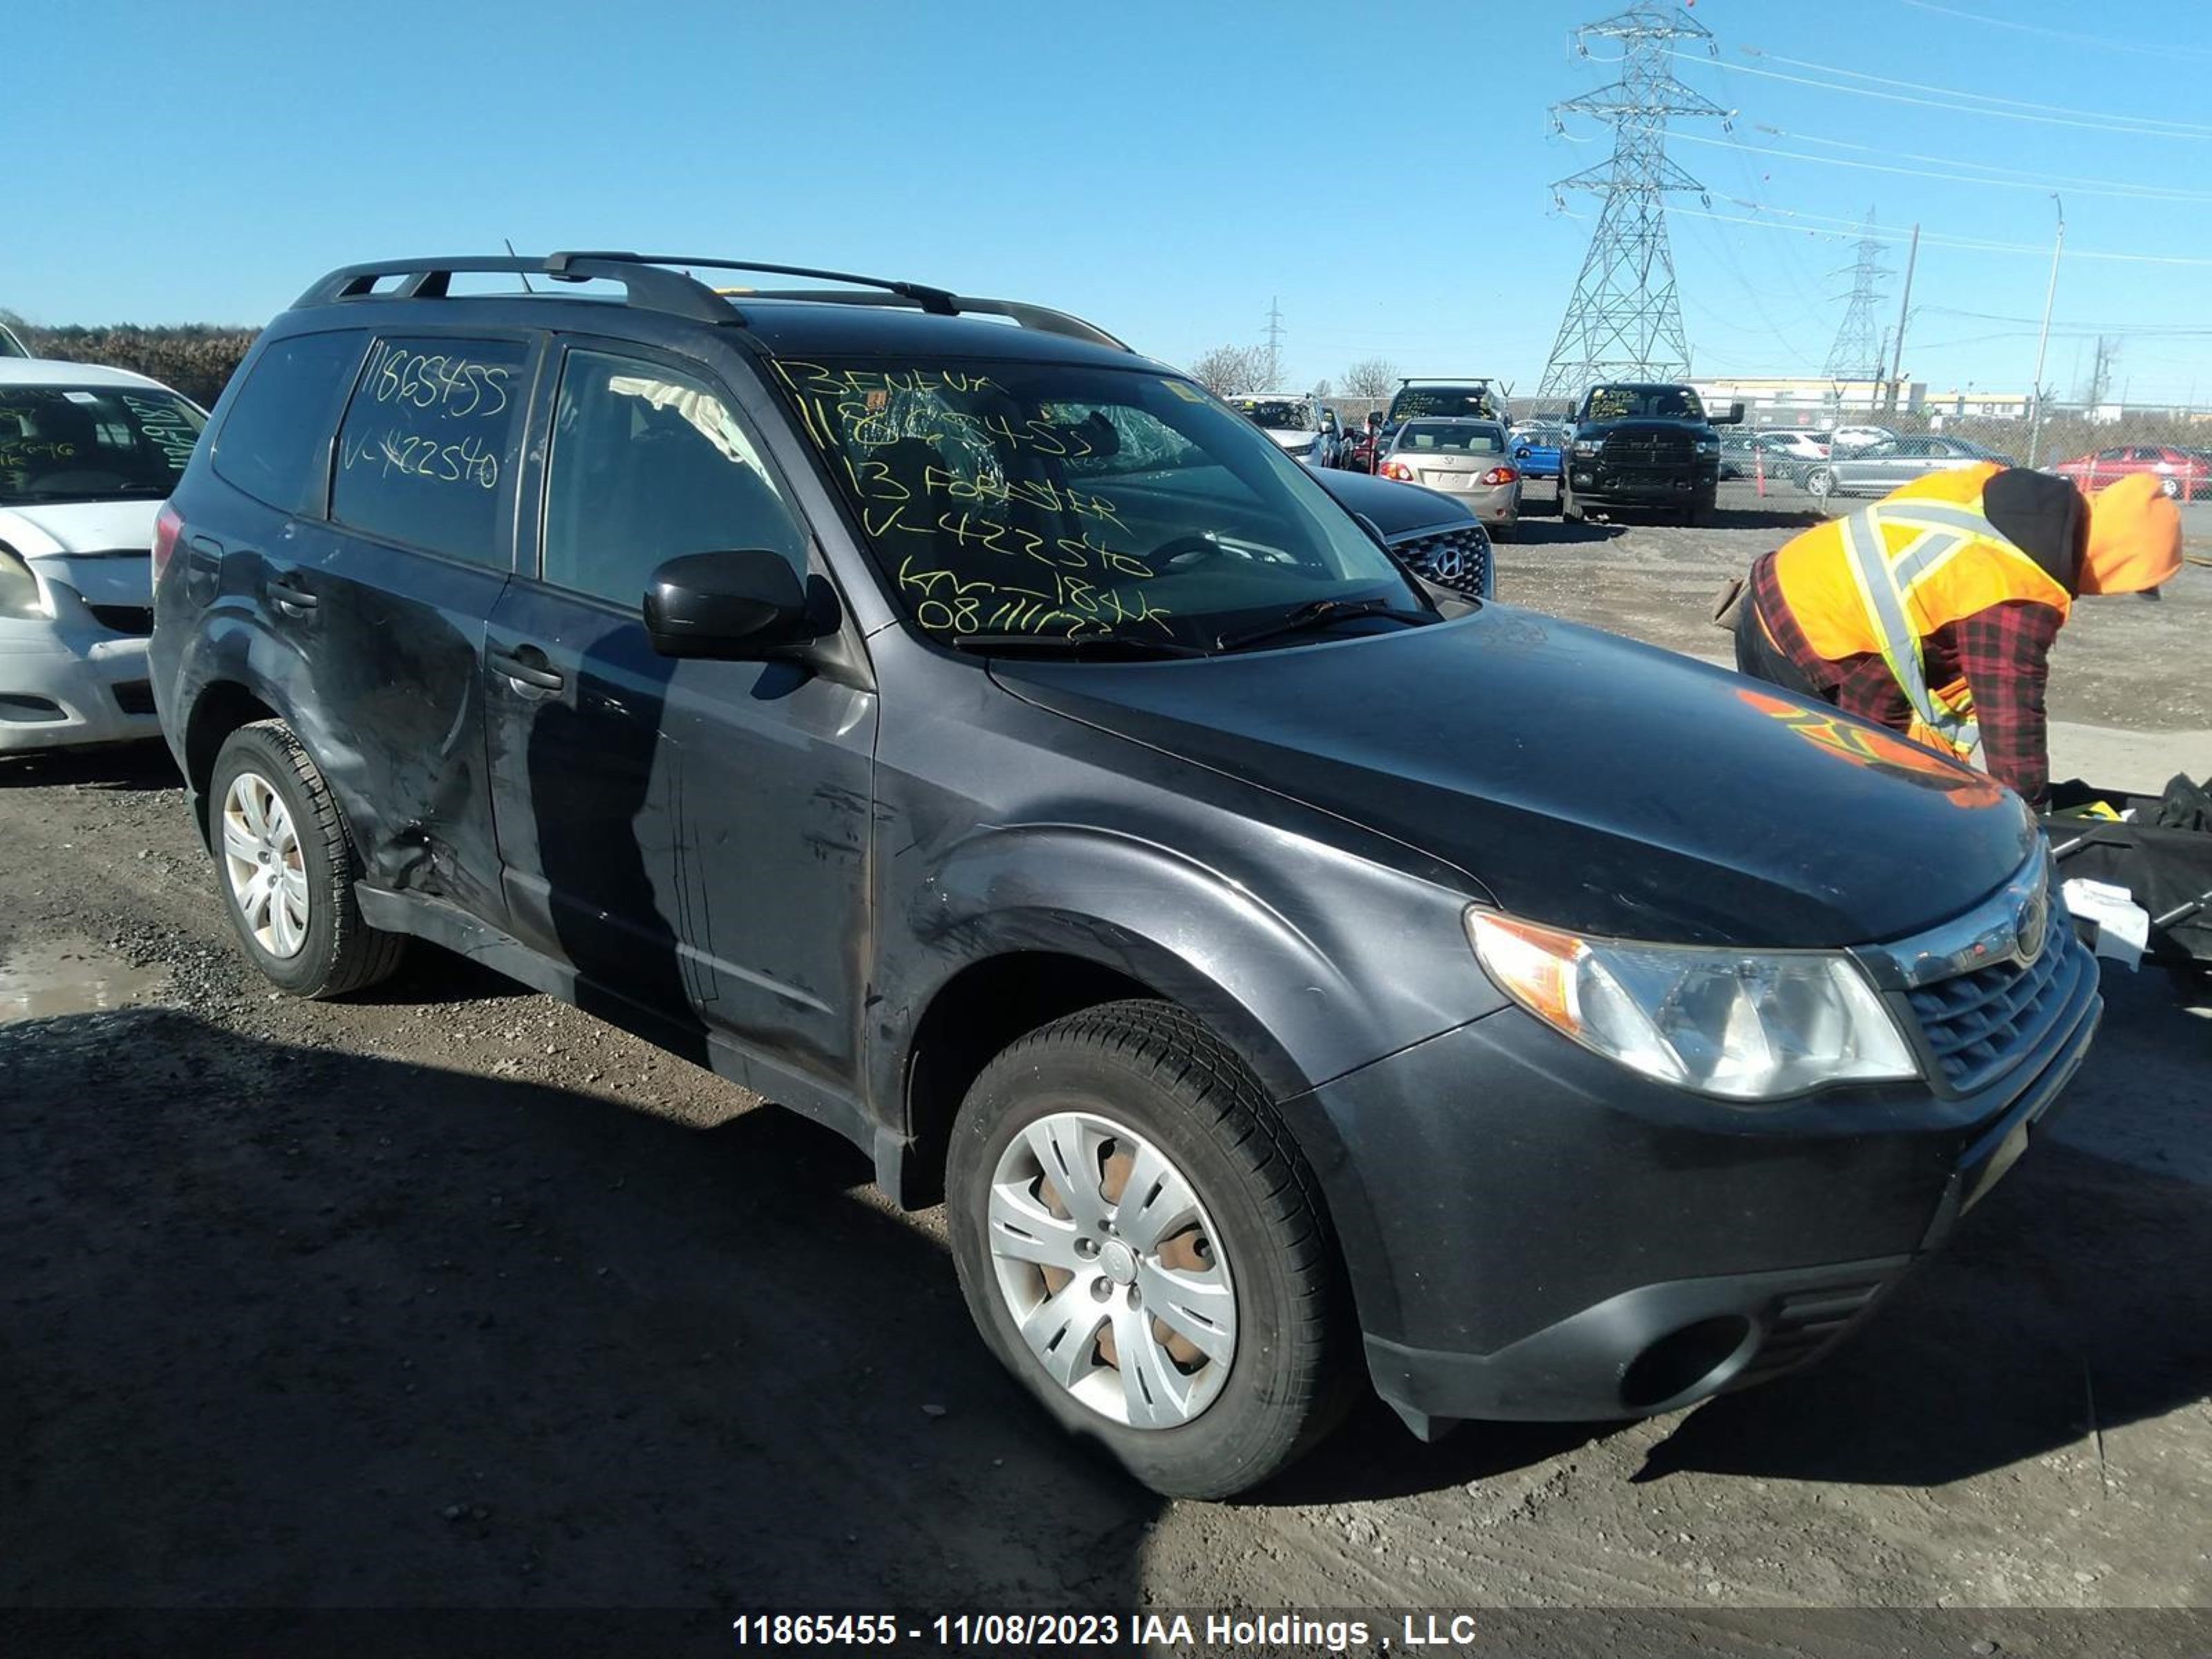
2062 34
2042 180
2137 193
1624 319
1957 107
2175 128
1970 243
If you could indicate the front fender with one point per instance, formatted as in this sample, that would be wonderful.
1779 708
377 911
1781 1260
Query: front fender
1331 963
1310 961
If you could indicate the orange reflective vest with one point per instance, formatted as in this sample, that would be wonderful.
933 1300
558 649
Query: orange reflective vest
1888 576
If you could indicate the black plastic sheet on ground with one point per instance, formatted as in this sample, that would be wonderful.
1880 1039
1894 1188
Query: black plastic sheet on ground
2169 871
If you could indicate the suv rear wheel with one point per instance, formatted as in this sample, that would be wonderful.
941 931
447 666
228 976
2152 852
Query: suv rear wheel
286 866
1143 1247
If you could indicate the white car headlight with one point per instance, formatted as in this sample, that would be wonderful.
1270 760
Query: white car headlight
20 593
1742 1025
1588 446
1708 446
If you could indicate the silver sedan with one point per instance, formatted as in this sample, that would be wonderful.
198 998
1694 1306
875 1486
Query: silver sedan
1882 468
1470 460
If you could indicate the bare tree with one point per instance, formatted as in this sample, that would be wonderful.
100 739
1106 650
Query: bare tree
1229 371
1372 381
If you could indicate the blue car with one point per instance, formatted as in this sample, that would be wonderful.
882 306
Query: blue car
1536 450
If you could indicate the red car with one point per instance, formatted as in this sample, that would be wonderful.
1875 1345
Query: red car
2183 476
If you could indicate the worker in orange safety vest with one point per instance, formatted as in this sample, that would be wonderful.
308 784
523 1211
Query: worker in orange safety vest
1933 611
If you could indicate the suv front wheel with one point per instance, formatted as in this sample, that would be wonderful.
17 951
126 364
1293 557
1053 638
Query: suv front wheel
286 866
1143 1247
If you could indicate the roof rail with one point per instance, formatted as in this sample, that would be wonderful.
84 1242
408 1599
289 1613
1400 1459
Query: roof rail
644 285
646 282
1043 319
934 300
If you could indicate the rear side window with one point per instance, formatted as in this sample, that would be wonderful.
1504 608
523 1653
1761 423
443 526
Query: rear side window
427 450
275 441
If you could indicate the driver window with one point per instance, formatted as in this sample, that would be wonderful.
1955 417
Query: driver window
649 463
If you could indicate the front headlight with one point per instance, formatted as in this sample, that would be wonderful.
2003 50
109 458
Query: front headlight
1742 1025
1588 446
1709 445
19 595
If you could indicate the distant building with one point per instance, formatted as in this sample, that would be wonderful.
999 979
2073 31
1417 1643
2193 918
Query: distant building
1810 400
1990 405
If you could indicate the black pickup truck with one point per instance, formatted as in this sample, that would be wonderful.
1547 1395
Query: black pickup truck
1642 445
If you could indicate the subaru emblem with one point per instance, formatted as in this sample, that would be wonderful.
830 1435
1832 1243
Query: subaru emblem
2030 926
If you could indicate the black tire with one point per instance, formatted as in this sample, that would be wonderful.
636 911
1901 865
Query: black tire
339 952
1504 531
1158 1071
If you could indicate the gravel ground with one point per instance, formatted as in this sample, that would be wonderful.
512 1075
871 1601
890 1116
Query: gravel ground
451 1296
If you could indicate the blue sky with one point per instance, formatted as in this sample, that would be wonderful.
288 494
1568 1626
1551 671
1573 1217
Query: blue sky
1165 169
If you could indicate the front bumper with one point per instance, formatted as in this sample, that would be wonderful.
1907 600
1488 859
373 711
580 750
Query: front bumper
60 687
1535 1232
1632 487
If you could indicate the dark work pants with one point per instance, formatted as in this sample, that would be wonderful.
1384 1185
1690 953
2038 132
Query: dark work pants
1757 655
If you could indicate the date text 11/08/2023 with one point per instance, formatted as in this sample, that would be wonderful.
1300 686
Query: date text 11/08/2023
966 1630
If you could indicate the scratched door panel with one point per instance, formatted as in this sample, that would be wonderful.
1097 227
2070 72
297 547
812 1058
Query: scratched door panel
692 836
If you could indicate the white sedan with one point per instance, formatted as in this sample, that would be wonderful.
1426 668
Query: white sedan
87 456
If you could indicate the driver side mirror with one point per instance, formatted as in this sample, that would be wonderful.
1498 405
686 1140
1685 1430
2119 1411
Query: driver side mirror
1733 417
1521 453
745 604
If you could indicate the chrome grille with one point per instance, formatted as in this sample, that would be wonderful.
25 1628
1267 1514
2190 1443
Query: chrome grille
1979 1023
1986 987
1458 558
1648 449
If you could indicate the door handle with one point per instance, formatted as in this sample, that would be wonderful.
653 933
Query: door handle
528 667
291 598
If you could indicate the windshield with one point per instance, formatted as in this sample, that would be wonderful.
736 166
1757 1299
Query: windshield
93 443
1274 414
1644 403
1414 401
1065 499
1457 438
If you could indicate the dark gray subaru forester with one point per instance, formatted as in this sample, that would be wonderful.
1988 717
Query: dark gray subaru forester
927 713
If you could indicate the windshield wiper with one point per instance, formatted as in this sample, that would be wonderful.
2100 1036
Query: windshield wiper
1074 645
1322 613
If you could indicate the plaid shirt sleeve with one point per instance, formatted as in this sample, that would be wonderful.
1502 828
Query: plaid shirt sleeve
2004 655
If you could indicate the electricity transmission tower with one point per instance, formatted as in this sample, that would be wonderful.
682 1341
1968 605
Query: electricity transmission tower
1274 343
1857 355
1625 321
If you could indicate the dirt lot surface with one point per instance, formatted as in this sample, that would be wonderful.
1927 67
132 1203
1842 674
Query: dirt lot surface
452 1296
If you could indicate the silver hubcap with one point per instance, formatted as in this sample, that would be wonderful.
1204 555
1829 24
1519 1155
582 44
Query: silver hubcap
261 859
1112 1270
